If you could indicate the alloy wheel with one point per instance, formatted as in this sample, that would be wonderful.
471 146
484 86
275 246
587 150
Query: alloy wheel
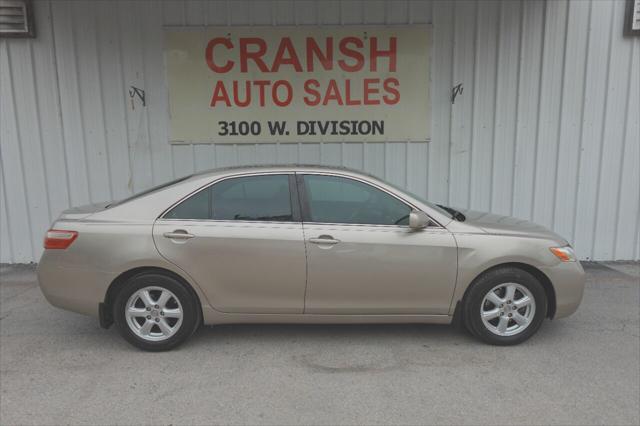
508 309
154 313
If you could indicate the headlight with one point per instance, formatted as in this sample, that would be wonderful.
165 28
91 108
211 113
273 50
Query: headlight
565 254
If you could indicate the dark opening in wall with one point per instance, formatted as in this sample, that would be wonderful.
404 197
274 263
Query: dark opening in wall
16 18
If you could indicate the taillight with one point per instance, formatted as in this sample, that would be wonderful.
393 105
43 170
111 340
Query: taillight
58 239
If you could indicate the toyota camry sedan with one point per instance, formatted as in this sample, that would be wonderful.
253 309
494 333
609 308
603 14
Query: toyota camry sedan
302 244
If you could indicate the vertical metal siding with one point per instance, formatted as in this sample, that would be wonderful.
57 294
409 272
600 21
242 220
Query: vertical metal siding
548 126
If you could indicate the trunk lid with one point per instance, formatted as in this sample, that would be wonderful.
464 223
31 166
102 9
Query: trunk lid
82 212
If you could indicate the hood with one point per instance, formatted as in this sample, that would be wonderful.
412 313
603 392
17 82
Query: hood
81 212
507 225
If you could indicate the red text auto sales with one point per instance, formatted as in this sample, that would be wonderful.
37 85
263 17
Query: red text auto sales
349 55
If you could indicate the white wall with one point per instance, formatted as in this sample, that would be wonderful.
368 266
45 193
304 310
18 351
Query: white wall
547 127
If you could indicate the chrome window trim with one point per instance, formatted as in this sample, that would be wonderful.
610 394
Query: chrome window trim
273 222
396 196
436 226
202 188
294 172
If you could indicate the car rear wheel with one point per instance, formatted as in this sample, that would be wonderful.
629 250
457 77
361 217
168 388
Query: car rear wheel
505 306
155 312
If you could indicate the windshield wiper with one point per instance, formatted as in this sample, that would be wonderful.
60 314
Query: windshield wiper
455 213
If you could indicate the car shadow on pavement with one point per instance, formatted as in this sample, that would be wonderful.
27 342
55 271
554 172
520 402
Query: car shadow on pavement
331 334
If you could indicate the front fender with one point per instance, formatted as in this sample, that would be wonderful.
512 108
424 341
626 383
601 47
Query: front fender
478 253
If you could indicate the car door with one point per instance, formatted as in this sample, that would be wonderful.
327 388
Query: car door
241 240
362 258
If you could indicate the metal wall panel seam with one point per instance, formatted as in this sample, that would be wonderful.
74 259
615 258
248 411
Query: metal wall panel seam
559 141
584 92
602 132
516 130
39 130
20 159
81 121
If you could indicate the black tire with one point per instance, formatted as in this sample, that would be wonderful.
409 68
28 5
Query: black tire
483 285
191 312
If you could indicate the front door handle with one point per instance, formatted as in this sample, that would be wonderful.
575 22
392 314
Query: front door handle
324 239
178 234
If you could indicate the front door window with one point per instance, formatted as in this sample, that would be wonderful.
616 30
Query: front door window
333 199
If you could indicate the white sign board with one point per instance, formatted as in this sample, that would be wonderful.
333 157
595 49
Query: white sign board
298 84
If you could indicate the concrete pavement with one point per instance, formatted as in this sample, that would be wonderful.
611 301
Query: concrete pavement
57 367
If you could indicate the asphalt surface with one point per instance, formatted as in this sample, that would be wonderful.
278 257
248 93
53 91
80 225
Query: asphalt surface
57 367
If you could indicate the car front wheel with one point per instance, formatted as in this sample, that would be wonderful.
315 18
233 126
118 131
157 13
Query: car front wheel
505 306
155 312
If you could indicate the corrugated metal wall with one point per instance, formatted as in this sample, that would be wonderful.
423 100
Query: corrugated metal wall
547 127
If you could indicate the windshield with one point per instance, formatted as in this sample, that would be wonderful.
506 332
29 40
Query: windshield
421 199
149 191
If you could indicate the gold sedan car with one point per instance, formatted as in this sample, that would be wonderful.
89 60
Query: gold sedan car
302 244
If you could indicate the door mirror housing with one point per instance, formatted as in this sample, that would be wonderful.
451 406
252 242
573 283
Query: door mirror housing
418 220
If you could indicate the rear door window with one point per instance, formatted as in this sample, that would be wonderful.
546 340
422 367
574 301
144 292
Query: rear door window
266 197
198 206
251 198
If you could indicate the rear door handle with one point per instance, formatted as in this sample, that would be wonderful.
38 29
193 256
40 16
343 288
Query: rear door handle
324 239
178 234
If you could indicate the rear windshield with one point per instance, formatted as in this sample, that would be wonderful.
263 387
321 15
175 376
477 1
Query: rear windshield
149 191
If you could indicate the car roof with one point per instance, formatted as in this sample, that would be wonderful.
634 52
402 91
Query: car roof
279 168
155 202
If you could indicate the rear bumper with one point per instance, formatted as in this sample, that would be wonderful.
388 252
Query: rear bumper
69 286
568 279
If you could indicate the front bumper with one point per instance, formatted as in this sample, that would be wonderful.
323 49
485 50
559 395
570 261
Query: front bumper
568 280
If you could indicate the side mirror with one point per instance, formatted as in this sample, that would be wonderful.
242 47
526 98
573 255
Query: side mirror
418 220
